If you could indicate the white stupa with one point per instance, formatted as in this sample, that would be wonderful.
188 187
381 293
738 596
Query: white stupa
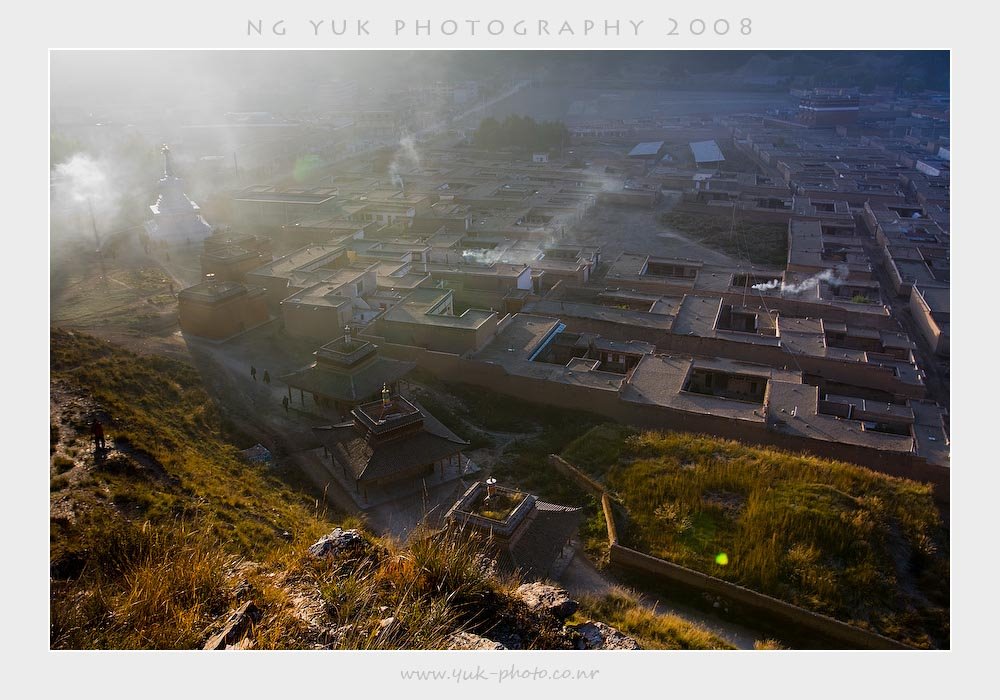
176 219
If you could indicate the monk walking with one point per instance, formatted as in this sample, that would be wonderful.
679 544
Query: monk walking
97 429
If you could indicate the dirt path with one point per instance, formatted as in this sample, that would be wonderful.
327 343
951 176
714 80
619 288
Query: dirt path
183 266
255 407
316 472
127 299
399 518
582 578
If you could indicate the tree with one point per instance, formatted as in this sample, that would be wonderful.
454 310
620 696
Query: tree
488 134
521 132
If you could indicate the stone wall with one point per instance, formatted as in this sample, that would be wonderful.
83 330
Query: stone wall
861 374
607 403
853 637
634 560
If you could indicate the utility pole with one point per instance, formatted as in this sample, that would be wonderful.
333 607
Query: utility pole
97 240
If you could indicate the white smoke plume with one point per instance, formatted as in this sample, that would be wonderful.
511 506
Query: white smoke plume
86 200
83 180
114 186
767 286
834 277
480 256
406 157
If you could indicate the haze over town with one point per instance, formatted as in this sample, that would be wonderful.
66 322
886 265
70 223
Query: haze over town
661 337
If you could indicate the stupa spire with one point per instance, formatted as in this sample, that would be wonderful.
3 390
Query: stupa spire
168 167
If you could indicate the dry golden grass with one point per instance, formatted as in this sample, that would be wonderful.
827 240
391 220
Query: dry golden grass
144 561
767 645
142 587
621 609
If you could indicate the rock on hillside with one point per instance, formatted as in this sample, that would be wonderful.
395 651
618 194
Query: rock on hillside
540 597
599 636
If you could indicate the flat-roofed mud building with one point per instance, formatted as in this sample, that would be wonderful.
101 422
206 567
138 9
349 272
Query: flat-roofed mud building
426 318
228 257
931 309
220 310
261 207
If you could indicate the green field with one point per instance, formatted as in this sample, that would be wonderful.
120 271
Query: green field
835 538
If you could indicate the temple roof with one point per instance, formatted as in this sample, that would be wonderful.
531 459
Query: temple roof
539 540
348 384
370 459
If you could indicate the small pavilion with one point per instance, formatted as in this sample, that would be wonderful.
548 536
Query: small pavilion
347 372
390 441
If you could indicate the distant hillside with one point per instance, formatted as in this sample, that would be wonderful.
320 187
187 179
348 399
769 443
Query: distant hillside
171 540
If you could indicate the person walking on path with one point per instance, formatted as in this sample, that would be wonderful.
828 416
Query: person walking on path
97 429
284 402
253 372
267 377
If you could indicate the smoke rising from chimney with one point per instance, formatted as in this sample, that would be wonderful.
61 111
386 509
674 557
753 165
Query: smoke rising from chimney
406 157
834 277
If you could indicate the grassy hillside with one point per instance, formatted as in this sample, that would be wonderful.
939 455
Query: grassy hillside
144 542
831 537
154 543
172 458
